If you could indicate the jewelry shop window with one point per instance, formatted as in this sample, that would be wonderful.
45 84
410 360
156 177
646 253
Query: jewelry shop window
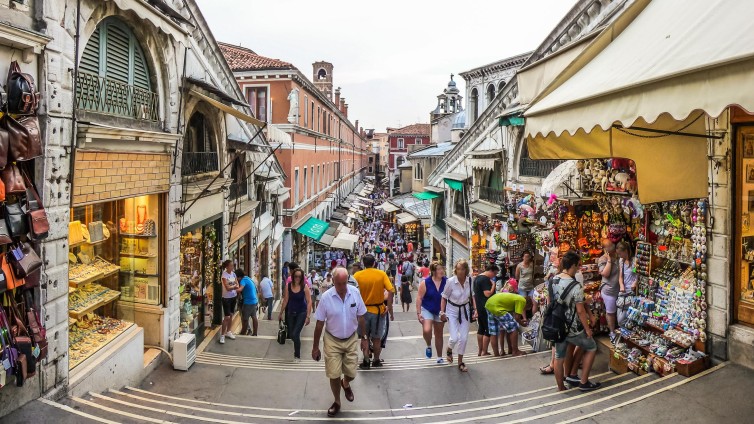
114 267
744 284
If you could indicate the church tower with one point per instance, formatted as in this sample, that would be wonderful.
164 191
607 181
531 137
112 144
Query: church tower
449 102
323 77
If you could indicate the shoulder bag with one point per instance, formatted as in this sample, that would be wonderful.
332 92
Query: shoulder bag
10 277
471 300
5 237
36 329
15 217
24 137
38 224
23 97
9 353
13 180
23 340
24 259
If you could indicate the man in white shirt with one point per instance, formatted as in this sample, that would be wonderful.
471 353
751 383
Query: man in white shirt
342 310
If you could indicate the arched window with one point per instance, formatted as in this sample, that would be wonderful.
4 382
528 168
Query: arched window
321 74
199 147
113 74
500 86
240 185
474 103
490 93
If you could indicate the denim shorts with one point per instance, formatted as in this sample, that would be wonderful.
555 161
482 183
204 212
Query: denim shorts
375 325
504 323
430 316
579 340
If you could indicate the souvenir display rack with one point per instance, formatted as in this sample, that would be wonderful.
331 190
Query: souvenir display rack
90 334
88 297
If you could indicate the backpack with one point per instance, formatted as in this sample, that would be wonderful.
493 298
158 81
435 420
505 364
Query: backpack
408 268
23 97
555 326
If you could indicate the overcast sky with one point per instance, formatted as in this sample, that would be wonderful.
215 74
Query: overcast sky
392 57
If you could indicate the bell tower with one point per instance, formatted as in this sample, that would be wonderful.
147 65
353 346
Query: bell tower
323 77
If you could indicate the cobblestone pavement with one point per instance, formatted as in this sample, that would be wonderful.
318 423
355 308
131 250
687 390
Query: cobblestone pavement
254 380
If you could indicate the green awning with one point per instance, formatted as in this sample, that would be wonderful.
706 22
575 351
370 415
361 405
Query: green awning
511 121
426 195
313 228
454 184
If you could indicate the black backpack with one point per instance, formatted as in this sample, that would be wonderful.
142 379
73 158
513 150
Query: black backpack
555 326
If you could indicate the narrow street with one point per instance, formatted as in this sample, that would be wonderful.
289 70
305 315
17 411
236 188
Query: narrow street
253 380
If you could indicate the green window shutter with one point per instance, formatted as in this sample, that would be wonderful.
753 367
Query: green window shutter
140 73
117 53
91 58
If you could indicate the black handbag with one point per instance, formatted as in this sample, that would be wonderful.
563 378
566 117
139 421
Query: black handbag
15 217
5 237
282 333
471 301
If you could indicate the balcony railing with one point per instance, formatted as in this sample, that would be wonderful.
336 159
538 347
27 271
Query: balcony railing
537 168
198 162
491 195
239 190
110 97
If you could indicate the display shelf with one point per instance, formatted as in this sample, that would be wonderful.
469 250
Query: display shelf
138 255
94 278
77 244
95 243
133 235
109 298
86 342
139 274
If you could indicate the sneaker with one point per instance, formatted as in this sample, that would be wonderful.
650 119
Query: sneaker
230 335
428 353
364 365
296 360
440 360
588 386
222 339
377 364
573 380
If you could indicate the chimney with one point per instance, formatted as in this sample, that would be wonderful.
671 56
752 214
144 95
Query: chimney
337 97
345 110
356 124
362 133
342 105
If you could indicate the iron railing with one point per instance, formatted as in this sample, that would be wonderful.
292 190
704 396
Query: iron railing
198 162
239 190
491 195
110 97
537 168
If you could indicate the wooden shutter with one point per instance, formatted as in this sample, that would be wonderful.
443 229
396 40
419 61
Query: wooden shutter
90 60
117 53
140 72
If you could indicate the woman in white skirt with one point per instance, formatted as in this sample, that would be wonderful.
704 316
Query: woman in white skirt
458 308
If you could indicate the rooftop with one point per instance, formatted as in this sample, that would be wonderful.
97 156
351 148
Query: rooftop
414 129
416 207
438 149
243 59
507 63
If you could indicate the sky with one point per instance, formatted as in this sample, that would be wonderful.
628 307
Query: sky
391 57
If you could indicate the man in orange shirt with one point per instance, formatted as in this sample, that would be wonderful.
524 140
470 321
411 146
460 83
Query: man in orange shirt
372 284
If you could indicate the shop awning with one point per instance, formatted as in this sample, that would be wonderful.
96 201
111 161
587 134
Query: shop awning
557 177
405 218
438 233
228 109
277 234
388 207
276 135
338 216
511 121
454 184
313 228
327 239
434 189
351 215
345 241
427 195
674 57
481 163
485 208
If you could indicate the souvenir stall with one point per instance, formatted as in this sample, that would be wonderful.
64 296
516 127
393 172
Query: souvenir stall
200 269
664 320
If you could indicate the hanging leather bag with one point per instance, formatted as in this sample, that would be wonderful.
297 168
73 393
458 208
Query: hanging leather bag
4 232
23 340
15 217
4 144
13 180
23 97
39 226
24 260
36 329
18 364
24 139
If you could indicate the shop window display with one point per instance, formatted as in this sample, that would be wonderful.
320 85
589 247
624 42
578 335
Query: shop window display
199 271
114 263
744 286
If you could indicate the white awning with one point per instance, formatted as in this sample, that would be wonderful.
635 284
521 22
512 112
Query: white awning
275 135
405 218
277 235
327 239
351 215
481 163
388 207
345 241
557 176
228 109
674 58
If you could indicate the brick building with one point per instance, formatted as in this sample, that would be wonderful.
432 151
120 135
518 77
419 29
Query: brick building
328 155
399 141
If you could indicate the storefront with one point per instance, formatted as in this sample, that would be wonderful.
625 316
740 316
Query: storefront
743 284
201 246
117 250
239 244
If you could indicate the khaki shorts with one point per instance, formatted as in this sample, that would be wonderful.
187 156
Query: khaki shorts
341 356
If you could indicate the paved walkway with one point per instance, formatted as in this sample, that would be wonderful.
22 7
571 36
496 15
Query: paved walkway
253 380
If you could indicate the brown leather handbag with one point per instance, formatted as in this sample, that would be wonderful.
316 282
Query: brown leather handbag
4 143
10 276
39 226
24 137
13 180
24 259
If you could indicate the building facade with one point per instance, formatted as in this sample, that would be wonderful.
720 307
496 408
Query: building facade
327 155
399 142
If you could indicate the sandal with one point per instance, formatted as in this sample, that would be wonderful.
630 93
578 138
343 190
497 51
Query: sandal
334 409
347 390
449 355
462 367
546 370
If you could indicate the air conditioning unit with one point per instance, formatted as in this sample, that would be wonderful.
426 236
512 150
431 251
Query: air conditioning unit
184 351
